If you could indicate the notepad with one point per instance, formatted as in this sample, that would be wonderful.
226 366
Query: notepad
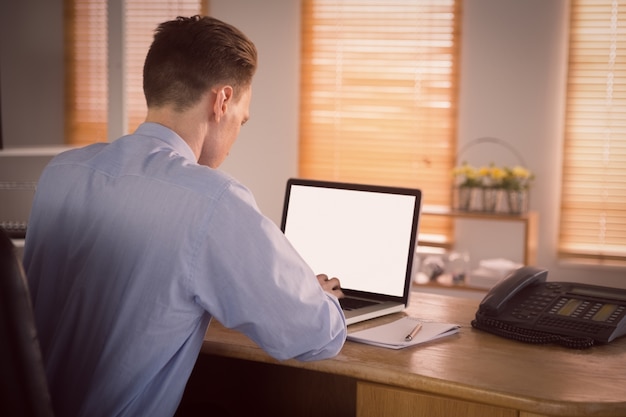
392 335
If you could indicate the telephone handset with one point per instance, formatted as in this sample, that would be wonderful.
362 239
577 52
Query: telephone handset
527 308
502 292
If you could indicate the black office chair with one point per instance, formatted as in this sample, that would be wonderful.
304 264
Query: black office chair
23 386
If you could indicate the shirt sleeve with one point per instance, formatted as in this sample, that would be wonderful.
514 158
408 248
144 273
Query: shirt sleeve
250 278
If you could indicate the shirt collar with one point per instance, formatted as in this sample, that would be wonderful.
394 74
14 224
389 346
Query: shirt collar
157 131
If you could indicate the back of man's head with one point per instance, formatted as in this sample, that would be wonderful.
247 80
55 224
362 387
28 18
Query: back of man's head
189 55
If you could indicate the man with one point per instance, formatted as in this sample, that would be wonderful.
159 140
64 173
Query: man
134 245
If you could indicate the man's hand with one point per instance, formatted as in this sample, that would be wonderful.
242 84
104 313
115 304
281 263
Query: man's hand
331 286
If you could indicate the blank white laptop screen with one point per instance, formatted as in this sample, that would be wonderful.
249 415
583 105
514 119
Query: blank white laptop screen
363 237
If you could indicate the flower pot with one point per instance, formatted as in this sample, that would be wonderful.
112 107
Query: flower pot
490 197
517 201
465 198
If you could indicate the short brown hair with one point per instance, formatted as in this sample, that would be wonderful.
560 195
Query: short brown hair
190 55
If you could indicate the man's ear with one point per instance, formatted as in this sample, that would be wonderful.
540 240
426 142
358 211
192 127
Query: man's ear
223 97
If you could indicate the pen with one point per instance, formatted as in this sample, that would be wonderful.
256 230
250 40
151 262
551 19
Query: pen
411 335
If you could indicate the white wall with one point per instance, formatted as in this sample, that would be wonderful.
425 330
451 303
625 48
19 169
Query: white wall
31 72
266 153
513 67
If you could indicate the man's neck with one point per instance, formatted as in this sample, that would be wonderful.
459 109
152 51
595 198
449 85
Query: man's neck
190 125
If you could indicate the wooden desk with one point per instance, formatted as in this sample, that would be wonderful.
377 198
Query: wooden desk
470 374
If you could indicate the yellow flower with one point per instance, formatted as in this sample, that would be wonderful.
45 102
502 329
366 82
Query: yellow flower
520 172
492 176
466 175
517 178
497 173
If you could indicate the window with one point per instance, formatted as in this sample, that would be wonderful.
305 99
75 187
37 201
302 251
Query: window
87 53
593 202
85 71
379 95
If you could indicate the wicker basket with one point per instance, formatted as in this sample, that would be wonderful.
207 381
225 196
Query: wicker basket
496 197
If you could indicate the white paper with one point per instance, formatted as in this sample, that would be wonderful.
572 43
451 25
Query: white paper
392 335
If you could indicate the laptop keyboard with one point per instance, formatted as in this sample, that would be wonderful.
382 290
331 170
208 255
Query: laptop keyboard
354 303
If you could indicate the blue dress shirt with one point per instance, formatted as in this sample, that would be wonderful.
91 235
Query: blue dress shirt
131 248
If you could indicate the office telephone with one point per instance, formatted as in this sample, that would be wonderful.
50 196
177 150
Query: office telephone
527 308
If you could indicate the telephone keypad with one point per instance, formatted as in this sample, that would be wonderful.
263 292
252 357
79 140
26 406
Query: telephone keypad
592 311
565 307
533 305
616 314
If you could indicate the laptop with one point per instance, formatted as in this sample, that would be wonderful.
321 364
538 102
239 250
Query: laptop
365 235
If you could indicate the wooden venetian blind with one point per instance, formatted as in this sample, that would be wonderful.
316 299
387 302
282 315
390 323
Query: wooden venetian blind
593 208
86 60
379 95
85 71
142 17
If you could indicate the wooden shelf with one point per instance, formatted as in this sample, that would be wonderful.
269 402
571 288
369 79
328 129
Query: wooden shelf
529 221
